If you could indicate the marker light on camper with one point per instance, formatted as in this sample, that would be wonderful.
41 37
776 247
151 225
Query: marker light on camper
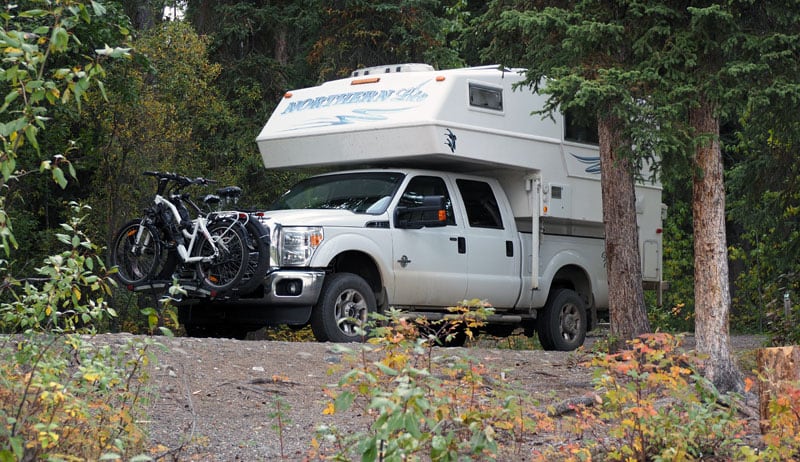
440 78
287 95
365 81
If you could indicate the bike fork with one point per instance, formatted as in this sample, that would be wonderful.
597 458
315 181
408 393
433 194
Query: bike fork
141 241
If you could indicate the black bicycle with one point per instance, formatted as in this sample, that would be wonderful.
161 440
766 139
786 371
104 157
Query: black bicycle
257 237
213 248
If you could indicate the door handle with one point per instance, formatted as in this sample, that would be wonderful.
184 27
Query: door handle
462 243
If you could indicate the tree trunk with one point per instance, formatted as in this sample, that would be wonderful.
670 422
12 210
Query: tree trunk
143 13
623 263
281 44
711 290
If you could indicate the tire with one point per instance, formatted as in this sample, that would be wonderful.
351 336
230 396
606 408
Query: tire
225 271
136 264
561 324
258 262
344 304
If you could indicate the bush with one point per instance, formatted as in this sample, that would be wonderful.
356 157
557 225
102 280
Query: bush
63 397
654 405
421 406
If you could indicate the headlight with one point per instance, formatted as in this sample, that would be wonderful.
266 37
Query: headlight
298 245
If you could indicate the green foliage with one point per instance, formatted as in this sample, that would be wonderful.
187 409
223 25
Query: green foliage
699 421
654 405
50 70
66 398
421 406
361 34
650 404
415 413
30 42
677 312
175 110
61 395
783 426
70 292
765 206
280 420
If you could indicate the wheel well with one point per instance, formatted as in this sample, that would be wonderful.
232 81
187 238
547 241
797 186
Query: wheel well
361 264
574 278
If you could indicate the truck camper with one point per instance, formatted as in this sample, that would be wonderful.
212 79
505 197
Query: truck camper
442 187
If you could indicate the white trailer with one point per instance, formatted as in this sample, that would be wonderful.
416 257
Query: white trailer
540 259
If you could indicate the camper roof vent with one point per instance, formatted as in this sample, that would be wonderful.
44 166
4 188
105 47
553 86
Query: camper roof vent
413 67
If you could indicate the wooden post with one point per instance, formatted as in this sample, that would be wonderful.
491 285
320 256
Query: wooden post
780 368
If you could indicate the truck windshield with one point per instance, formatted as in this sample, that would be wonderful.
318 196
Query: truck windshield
368 192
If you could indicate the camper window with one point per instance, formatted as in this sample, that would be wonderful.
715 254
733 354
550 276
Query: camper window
580 129
485 97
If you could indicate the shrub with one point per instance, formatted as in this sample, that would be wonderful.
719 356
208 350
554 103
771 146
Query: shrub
419 405
783 435
63 397
654 405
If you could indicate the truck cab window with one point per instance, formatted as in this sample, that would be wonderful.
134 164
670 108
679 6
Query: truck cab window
421 186
359 192
480 204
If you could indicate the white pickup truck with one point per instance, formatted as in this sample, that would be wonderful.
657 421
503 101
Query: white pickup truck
443 188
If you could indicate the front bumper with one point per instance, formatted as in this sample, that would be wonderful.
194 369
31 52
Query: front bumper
293 288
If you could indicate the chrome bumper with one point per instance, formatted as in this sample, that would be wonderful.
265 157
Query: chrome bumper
277 282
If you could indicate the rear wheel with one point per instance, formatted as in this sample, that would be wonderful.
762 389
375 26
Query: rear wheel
344 306
136 251
224 271
258 261
561 324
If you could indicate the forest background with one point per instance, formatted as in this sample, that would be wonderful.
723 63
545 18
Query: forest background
196 92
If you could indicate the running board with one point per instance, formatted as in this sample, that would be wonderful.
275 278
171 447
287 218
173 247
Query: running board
438 315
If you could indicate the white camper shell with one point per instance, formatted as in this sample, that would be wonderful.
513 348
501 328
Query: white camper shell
467 128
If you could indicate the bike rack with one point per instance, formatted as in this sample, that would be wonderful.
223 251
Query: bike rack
191 289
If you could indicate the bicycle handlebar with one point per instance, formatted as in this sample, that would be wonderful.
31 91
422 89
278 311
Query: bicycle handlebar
183 181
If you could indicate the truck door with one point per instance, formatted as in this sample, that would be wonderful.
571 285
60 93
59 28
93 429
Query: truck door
429 264
492 246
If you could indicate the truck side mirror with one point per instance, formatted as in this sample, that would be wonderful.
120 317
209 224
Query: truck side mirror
428 213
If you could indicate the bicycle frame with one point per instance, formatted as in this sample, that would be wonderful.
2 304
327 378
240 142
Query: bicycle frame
199 227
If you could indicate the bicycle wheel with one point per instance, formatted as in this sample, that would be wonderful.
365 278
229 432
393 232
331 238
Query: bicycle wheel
258 263
136 252
224 271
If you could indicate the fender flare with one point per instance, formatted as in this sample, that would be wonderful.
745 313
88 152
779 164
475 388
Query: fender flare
353 242
564 259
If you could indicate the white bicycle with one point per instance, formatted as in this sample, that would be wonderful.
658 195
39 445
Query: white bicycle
166 241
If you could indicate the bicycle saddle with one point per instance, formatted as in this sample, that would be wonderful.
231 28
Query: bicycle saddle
211 199
230 192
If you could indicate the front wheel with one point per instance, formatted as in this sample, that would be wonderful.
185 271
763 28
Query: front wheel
136 252
343 308
561 324
224 271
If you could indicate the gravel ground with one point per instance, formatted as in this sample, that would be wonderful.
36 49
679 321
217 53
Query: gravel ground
211 399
